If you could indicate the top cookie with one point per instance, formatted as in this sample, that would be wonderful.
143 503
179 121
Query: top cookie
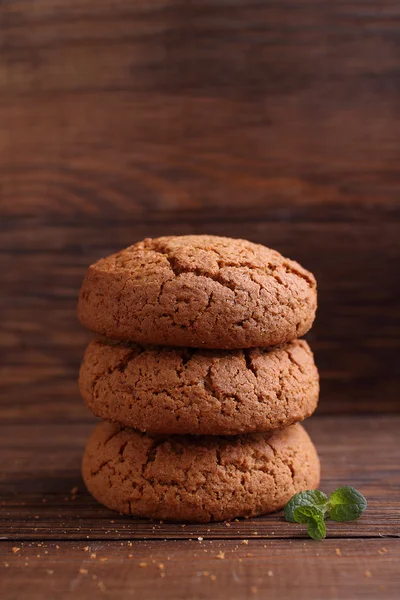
198 291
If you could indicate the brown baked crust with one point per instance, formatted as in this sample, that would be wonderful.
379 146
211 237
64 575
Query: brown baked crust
187 391
198 291
198 479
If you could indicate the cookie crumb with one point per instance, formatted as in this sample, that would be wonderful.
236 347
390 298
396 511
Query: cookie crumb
130 544
101 586
93 555
254 589
74 490
49 571
227 524
255 532
245 542
270 573
220 555
213 577
16 549
103 559
86 549
161 566
6 564
143 564
338 552
206 573
83 571
249 554
200 539
368 573
130 555
382 551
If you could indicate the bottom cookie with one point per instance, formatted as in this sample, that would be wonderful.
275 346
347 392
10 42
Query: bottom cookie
199 479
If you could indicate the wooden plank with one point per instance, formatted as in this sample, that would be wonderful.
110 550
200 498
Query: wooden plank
165 46
356 336
40 466
217 105
151 159
285 569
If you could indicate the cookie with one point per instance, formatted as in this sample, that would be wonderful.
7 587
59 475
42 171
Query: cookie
198 478
198 291
186 391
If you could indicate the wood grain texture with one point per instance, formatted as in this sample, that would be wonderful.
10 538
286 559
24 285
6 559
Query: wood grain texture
41 465
284 569
273 121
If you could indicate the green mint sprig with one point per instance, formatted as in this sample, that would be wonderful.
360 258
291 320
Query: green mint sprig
313 507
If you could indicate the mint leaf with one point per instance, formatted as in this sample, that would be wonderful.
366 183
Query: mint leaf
303 514
346 504
314 518
307 498
312 507
316 527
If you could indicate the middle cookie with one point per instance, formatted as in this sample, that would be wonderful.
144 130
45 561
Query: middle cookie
201 392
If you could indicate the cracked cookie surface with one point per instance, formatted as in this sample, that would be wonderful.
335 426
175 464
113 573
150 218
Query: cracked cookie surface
189 391
198 291
198 479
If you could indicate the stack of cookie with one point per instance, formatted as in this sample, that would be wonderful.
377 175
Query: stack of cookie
200 379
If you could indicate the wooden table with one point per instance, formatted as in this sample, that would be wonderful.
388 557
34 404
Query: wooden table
57 542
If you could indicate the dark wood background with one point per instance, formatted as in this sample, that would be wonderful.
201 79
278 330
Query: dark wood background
277 121
272 120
